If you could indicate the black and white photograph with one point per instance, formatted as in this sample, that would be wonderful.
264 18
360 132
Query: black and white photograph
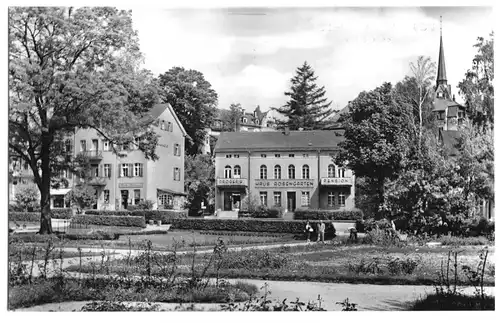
237 158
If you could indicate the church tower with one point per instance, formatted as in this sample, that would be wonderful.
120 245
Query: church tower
450 114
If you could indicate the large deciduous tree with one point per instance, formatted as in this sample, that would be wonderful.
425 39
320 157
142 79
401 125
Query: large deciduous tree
231 120
378 129
477 88
307 107
199 178
194 102
74 69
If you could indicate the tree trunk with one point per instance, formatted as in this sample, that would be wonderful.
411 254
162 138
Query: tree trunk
46 214
380 191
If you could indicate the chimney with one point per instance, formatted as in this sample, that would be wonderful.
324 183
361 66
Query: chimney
287 131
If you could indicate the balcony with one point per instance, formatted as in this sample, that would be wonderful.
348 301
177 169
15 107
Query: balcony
231 182
336 181
92 154
97 181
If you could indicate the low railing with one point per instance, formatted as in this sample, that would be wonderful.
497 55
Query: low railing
92 154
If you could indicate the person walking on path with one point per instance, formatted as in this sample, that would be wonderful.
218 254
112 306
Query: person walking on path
321 231
309 230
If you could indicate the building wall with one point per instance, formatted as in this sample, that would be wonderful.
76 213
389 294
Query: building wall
251 163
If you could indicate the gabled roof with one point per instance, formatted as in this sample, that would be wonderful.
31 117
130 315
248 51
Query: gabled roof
158 110
442 104
336 117
278 141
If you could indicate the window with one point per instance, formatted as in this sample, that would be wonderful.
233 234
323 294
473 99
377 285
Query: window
106 146
95 145
277 199
137 196
441 115
331 198
177 174
291 172
95 170
245 120
107 170
227 172
263 172
68 146
177 150
26 166
305 199
341 199
170 127
106 196
277 172
305 172
263 155
439 94
138 169
83 145
277 155
162 125
291 155
165 199
236 156
331 170
124 170
228 156
263 198
341 172
237 171
305 155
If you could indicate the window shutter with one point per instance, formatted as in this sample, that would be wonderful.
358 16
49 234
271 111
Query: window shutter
120 170
130 170
101 171
110 170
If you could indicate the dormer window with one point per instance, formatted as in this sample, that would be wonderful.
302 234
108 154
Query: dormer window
440 94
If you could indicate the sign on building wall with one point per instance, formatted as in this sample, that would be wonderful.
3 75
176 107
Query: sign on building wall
232 182
130 185
336 181
284 183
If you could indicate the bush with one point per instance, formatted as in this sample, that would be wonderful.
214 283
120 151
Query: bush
97 235
119 221
249 225
32 237
24 216
61 213
317 214
142 205
264 212
165 216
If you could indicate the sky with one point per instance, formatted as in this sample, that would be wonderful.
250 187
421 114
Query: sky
250 54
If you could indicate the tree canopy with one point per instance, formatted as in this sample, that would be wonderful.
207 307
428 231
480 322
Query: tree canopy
231 120
307 107
193 100
74 68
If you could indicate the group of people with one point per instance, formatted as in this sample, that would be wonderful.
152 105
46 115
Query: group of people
320 230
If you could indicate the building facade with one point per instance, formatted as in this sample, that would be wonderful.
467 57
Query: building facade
288 170
120 181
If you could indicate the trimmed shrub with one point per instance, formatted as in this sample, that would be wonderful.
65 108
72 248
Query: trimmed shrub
98 235
61 213
108 213
249 225
119 221
24 216
165 216
265 213
32 237
317 214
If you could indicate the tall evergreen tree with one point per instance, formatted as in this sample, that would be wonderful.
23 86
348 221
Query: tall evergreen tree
308 108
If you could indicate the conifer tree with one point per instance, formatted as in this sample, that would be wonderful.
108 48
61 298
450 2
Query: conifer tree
307 108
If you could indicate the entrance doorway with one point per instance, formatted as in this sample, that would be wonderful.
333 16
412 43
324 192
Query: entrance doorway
228 203
236 201
290 204
124 194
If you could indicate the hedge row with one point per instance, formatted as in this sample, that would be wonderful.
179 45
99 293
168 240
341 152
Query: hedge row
35 216
119 221
317 214
166 216
250 225
92 236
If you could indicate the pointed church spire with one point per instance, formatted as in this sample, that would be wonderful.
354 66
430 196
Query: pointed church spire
441 76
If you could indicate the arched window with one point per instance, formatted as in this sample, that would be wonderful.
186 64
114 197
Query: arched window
227 171
305 172
331 170
263 172
291 172
341 172
237 171
277 172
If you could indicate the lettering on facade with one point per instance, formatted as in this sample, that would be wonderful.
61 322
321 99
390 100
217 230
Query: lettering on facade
130 185
284 183
231 182
336 181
